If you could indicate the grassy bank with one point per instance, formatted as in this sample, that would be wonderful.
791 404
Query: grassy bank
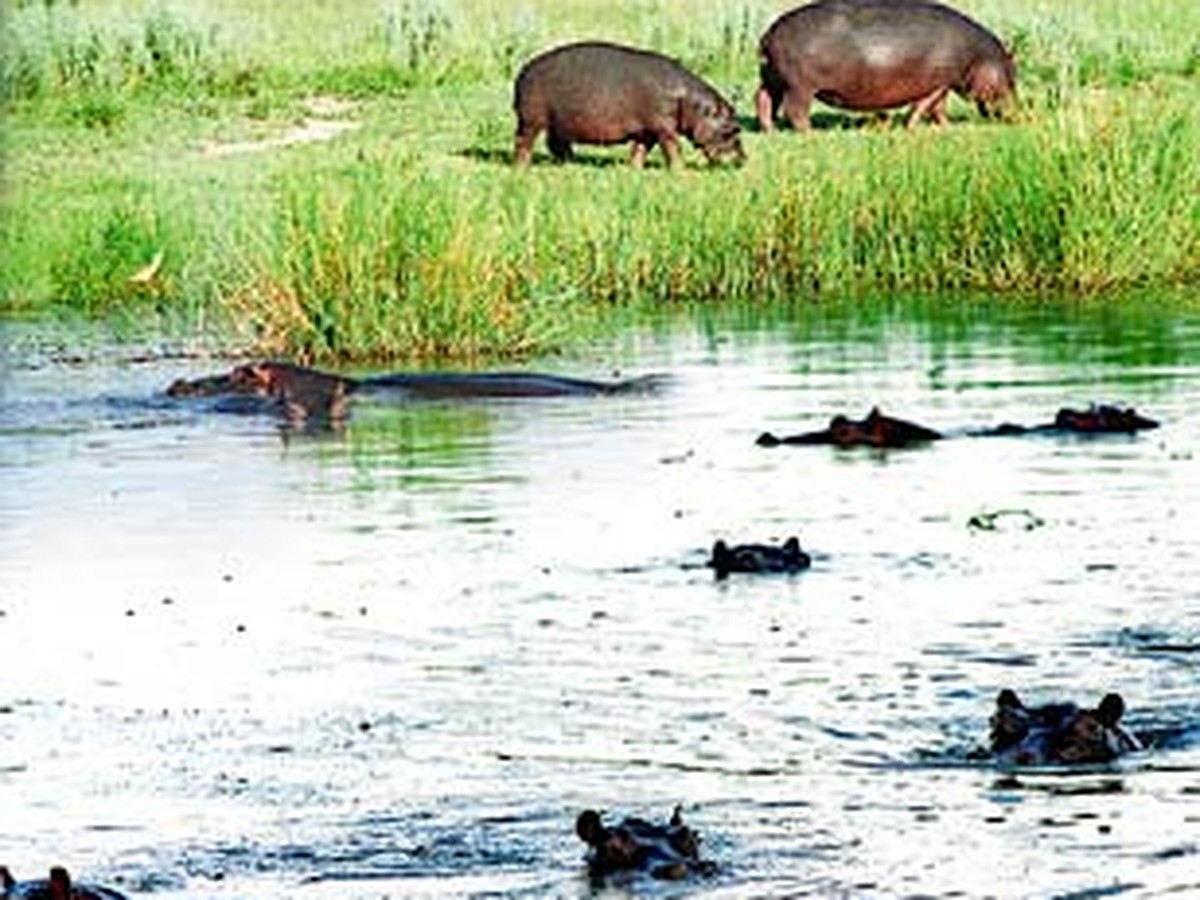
130 140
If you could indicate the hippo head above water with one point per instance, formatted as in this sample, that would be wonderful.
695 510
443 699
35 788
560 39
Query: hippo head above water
670 851
301 393
57 887
758 558
1102 419
1059 733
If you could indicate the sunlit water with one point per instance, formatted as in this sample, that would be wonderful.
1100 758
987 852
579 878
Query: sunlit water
398 661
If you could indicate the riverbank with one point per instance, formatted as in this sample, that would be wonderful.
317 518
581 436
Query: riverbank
342 188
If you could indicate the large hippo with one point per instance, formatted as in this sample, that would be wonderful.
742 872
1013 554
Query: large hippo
600 93
310 394
1058 733
879 54
670 851
57 887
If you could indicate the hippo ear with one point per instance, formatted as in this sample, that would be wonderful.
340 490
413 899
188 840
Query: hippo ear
1110 710
588 826
792 546
1008 699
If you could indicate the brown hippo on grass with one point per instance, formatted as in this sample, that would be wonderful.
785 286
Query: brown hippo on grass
882 431
879 54
1058 733
57 887
306 394
599 93
670 851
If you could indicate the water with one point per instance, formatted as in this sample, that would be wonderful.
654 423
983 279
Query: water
398 661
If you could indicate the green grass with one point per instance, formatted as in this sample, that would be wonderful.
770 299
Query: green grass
413 237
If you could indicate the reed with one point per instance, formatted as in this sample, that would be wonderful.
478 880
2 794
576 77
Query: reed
413 237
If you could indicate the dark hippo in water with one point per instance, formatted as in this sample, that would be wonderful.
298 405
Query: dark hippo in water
598 93
875 430
879 54
879 430
1058 733
758 558
1096 419
57 887
310 394
670 851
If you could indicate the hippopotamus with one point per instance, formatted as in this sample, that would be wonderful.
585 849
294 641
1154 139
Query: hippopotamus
759 558
670 851
1096 419
875 430
879 54
879 430
1058 733
303 393
601 93
57 887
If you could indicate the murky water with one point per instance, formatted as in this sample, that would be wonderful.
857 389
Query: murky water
398 661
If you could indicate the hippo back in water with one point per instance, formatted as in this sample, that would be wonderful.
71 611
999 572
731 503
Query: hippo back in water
600 93
879 54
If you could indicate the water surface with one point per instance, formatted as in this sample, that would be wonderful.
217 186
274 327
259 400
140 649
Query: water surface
395 661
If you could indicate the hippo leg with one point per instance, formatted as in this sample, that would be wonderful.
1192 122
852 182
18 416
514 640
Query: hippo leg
796 105
933 104
670 145
560 147
764 106
523 149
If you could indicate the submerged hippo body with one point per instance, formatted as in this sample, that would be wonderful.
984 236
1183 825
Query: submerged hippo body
759 558
869 55
599 93
670 851
875 430
882 431
1096 419
1058 733
57 887
309 394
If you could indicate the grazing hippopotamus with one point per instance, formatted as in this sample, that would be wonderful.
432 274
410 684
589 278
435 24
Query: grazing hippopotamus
759 558
877 55
876 430
1058 733
670 851
600 93
57 887
304 393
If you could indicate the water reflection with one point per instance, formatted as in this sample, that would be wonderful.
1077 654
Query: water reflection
402 658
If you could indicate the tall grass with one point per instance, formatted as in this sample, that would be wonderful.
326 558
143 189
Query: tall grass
414 237
397 257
